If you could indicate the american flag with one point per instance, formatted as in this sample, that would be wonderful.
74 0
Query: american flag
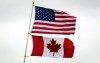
49 21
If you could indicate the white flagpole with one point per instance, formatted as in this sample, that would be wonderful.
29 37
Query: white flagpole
28 34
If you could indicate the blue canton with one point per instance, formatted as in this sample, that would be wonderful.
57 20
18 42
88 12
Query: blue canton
44 14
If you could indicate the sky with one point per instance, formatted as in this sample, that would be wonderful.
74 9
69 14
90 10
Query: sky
14 24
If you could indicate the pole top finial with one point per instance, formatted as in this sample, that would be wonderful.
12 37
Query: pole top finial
33 2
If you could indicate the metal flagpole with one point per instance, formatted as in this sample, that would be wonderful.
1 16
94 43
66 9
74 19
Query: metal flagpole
28 34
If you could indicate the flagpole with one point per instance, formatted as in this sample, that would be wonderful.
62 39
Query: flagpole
28 34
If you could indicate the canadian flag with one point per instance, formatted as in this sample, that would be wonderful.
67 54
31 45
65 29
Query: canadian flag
52 47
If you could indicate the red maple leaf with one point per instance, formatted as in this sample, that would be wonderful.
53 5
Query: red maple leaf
53 46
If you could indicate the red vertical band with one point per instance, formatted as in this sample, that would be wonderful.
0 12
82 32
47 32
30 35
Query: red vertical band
38 46
68 48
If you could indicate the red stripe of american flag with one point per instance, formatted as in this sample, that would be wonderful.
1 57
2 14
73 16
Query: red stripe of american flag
62 20
40 32
57 25
55 29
